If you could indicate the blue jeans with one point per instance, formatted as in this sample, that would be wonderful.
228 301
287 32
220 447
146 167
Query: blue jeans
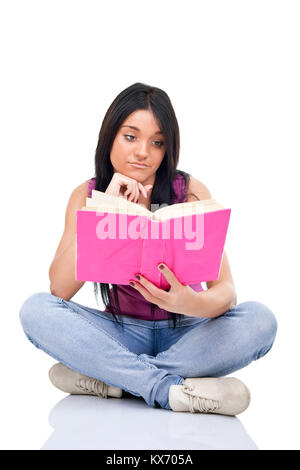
145 357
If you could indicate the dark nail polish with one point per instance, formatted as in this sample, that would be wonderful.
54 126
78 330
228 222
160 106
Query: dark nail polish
131 283
161 266
138 277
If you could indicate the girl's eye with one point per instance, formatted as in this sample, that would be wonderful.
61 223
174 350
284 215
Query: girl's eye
129 136
158 143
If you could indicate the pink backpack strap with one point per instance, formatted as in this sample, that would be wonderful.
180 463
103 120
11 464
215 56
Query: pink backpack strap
92 185
179 189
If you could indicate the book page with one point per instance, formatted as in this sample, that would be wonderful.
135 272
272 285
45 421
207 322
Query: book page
187 208
102 202
112 208
119 204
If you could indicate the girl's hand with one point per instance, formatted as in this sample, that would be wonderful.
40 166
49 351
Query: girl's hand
178 299
133 190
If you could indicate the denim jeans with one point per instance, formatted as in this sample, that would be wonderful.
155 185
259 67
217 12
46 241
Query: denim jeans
145 357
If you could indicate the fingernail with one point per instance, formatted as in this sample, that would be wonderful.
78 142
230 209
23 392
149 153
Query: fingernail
138 277
131 283
161 266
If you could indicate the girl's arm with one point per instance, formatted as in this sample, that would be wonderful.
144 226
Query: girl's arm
221 294
62 269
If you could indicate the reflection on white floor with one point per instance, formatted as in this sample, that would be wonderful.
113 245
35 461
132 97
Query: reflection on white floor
92 423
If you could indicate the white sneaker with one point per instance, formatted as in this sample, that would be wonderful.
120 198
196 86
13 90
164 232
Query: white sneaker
226 396
69 381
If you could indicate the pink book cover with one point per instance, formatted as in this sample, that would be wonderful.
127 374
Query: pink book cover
113 247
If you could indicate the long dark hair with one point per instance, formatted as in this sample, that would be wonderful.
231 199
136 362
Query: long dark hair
135 97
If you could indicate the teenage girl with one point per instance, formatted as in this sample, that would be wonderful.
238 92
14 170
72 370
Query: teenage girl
170 347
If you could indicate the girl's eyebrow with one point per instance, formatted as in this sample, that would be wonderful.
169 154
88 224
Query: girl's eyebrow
137 129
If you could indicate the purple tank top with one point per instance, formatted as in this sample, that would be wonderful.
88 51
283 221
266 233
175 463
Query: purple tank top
132 302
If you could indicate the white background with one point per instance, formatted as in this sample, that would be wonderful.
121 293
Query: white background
231 70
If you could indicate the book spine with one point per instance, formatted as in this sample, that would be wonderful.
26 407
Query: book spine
142 254
152 252
163 260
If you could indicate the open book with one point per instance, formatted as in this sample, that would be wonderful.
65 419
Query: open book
116 238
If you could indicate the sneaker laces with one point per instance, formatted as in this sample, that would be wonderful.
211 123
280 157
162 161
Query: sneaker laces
197 403
93 386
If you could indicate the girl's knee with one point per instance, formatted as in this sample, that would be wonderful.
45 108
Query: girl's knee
32 309
263 321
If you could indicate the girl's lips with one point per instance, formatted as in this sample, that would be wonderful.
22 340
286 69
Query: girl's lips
137 165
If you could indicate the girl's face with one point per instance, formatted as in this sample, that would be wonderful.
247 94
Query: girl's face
139 140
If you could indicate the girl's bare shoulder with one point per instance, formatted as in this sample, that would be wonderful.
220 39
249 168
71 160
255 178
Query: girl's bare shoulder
197 188
77 198
80 191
